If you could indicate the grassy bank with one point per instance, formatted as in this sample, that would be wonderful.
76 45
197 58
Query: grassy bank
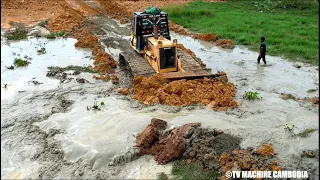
290 26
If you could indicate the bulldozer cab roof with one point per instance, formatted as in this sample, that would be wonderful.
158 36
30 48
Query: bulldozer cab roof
145 15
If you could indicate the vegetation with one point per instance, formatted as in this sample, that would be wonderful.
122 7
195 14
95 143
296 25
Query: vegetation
10 67
53 35
18 34
5 86
289 128
181 170
312 90
162 176
96 106
290 26
41 50
20 62
43 23
305 133
251 95
88 69
60 33
288 96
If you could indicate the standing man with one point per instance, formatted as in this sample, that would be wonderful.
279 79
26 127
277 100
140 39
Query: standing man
263 50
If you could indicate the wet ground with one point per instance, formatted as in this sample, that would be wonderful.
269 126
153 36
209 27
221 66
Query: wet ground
47 131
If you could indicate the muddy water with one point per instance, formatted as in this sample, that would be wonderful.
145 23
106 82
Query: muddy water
58 53
95 137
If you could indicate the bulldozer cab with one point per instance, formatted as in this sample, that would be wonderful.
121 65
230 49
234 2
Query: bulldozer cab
142 27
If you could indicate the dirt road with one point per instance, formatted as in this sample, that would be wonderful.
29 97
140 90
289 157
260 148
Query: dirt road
47 131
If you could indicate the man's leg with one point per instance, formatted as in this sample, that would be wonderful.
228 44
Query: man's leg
264 59
259 58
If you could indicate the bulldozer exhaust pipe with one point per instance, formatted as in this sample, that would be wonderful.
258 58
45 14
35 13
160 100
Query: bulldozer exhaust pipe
155 29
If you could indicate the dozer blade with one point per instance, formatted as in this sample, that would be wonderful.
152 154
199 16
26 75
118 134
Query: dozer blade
172 76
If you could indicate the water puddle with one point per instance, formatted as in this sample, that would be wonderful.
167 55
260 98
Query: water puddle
58 53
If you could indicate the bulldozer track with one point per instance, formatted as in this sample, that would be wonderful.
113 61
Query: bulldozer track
138 66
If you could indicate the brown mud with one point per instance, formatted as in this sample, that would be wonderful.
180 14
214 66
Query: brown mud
157 90
213 149
68 21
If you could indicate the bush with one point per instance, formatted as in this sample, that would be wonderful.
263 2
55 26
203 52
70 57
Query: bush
18 34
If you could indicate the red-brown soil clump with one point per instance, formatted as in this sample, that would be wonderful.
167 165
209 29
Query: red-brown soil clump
193 144
313 100
209 37
124 91
86 39
265 150
104 63
156 89
69 21
167 148
177 28
225 43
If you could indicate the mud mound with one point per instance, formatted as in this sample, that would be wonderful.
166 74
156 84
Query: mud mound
167 148
114 9
82 7
313 100
28 11
265 150
225 43
69 20
193 144
177 28
124 91
86 39
155 89
104 63
209 37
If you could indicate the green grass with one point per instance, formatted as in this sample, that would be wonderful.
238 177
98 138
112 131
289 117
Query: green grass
290 26
18 34
52 35
191 171
162 176
20 62
88 69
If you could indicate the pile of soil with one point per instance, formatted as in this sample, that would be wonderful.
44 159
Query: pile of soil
104 63
177 28
85 39
225 43
82 7
28 11
169 147
69 21
123 91
313 100
209 37
212 149
115 10
155 89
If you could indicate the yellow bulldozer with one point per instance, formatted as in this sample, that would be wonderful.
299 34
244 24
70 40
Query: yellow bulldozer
156 52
